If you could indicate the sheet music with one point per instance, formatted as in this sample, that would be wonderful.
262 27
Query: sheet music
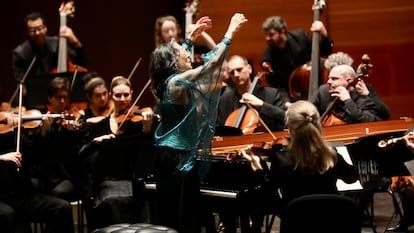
340 184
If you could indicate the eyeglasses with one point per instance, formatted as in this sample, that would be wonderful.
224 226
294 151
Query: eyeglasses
36 29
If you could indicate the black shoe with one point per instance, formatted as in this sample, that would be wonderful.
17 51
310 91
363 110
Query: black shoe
397 228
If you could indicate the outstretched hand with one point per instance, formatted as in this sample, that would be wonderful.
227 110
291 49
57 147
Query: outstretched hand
199 27
236 22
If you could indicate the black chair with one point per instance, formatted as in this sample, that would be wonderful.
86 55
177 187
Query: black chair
322 213
135 228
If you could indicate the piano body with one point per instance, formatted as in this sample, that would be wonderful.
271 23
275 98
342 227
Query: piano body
361 141
229 180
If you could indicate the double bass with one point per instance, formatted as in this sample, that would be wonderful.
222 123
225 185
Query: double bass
64 64
304 80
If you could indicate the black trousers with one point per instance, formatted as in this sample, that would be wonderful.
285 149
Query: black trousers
178 203
36 207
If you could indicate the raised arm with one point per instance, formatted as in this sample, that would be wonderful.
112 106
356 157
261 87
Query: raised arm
236 22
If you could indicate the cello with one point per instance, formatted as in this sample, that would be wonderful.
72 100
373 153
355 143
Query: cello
245 118
329 117
304 80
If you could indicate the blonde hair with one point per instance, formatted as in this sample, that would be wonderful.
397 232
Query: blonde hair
308 149
119 80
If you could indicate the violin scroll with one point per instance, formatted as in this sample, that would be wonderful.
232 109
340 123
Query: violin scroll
387 142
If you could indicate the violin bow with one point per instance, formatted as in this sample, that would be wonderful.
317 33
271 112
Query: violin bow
74 77
135 67
261 121
19 123
133 104
22 80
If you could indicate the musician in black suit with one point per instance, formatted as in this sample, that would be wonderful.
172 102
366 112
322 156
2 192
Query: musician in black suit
20 202
340 58
265 100
45 48
288 50
351 107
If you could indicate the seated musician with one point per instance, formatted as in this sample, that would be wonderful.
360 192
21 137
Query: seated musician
350 107
309 166
265 100
406 194
60 139
20 202
99 104
340 58
112 193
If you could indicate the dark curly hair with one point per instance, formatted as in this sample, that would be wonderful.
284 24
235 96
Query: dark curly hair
162 66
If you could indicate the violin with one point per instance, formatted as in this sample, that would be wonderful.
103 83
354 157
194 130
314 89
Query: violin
30 119
135 115
388 142
263 149
71 119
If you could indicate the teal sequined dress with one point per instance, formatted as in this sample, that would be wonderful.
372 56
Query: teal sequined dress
190 128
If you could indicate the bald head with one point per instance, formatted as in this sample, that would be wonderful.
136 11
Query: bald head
344 71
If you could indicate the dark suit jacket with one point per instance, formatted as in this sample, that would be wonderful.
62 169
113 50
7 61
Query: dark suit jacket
297 52
355 110
272 112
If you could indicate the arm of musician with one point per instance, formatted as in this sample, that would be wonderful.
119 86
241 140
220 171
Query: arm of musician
209 41
409 141
47 121
147 121
14 157
318 26
360 110
67 32
382 110
80 57
253 159
100 139
199 27
252 100
326 44
193 74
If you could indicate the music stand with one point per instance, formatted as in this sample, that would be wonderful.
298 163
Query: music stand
125 157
